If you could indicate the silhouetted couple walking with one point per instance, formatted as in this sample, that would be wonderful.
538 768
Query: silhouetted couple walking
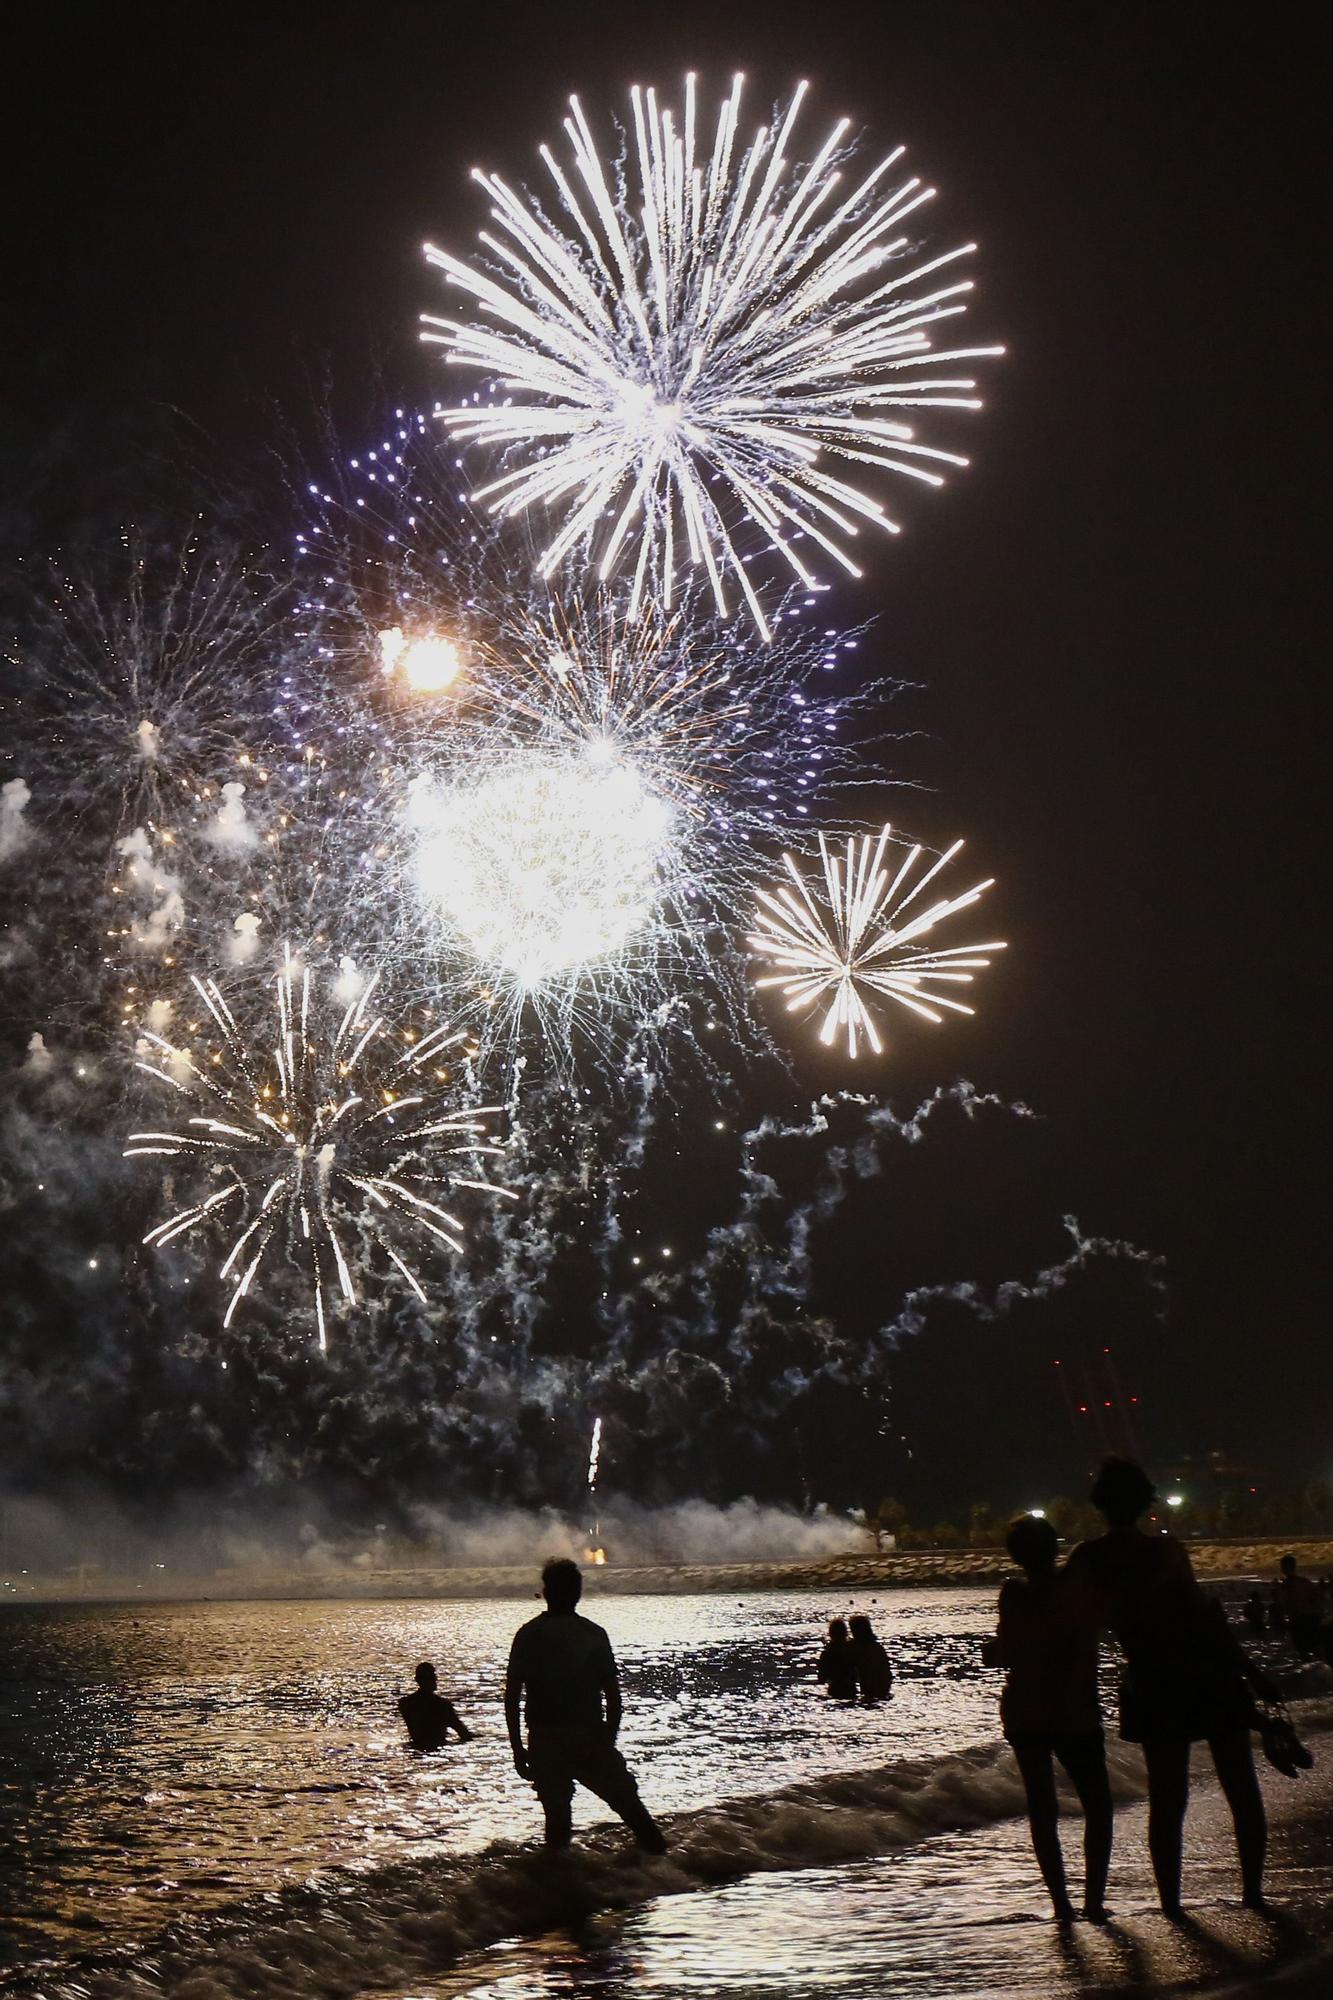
1186 1680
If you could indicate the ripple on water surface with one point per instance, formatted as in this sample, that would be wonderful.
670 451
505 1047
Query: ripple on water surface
162 1761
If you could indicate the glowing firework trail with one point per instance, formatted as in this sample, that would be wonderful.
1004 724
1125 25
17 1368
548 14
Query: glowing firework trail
862 937
292 1126
680 347
596 1553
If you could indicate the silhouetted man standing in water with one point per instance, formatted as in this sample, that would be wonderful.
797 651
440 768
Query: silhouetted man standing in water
563 1682
429 1717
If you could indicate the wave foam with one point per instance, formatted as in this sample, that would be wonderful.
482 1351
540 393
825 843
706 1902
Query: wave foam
348 1930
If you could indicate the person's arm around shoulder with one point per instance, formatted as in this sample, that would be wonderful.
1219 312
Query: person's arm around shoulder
1082 1590
514 1707
1178 1565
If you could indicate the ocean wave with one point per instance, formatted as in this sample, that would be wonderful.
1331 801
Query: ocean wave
346 1930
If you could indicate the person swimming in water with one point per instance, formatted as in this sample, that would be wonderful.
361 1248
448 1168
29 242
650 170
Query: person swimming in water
870 1663
429 1717
836 1669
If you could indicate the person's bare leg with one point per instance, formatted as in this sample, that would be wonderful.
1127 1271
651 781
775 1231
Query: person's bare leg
605 1773
1038 1774
1168 1761
1233 1757
1086 1766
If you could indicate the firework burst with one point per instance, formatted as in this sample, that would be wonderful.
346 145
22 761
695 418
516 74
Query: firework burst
565 837
685 346
866 935
135 675
312 1137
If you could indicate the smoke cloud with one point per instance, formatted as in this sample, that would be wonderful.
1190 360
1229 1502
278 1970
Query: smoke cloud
15 798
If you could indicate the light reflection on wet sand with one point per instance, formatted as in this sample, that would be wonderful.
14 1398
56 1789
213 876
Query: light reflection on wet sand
958 1917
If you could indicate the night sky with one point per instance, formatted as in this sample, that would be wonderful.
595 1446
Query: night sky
214 221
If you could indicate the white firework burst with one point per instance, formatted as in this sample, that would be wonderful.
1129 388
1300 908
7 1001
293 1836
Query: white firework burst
867 934
138 670
547 865
312 1135
687 343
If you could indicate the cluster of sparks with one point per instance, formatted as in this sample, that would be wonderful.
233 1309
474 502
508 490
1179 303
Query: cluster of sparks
586 799
289 1128
536 808
866 935
684 347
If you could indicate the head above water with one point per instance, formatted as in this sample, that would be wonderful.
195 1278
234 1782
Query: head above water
426 1677
1288 1565
861 1627
1033 1543
562 1583
1122 1491
837 1628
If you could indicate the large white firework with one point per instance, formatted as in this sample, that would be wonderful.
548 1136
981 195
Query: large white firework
547 864
682 349
312 1135
867 934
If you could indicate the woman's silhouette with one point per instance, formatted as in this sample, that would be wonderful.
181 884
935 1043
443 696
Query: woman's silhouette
1047 1644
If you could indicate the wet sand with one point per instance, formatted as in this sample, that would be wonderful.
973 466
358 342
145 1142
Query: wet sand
960 1917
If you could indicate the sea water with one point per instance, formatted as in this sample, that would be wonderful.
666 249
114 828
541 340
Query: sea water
218 1798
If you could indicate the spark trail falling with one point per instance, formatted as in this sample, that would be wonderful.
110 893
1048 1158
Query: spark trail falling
314 1136
684 345
861 936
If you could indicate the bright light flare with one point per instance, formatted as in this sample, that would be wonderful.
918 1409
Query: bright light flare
429 664
865 935
700 341
545 864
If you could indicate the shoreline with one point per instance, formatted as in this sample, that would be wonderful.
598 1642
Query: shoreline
854 1571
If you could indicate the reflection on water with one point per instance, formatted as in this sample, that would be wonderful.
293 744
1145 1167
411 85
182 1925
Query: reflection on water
162 1761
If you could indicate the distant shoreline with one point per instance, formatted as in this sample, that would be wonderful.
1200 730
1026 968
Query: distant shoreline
839 1576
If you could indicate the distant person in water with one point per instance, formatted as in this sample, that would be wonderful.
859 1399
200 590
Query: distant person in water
1255 1614
429 1717
837 1663
1299 1598
870 1663
1047 1644
1185 1676
563 1683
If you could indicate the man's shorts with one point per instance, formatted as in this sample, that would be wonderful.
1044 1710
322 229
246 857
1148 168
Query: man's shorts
559 1759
